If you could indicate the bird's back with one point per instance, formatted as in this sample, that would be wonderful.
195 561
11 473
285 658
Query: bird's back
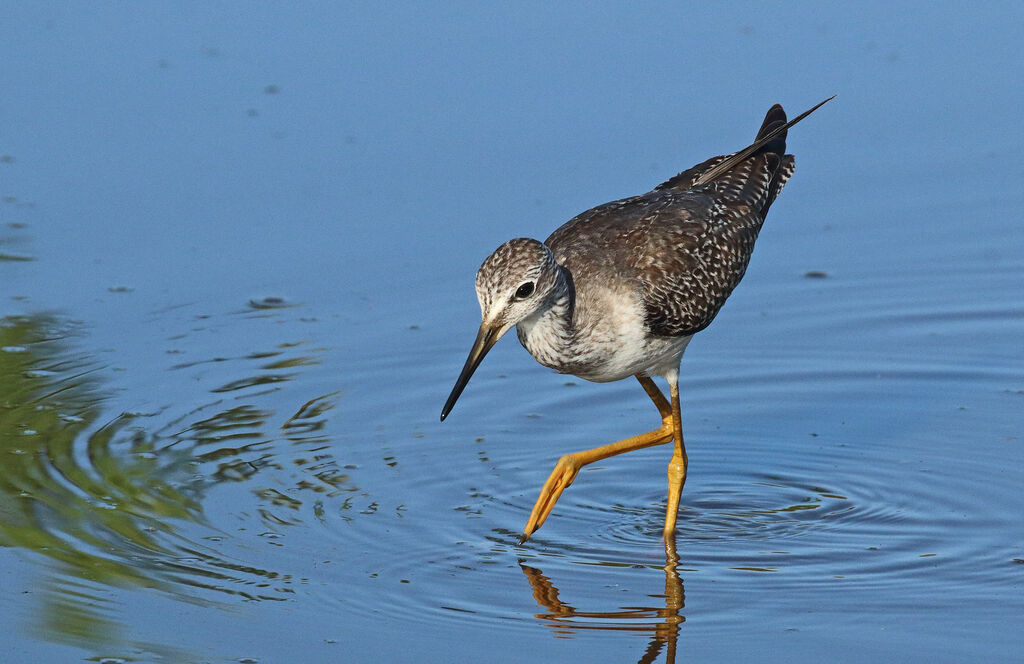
684 246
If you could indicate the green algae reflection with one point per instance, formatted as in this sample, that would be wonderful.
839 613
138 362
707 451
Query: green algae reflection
98 501
70 485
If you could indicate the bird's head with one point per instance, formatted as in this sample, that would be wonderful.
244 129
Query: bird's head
515 282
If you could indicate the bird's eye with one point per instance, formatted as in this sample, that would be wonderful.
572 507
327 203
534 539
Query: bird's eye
526 290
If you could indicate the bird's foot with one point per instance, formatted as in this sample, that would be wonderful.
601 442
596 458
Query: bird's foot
561 477
569 465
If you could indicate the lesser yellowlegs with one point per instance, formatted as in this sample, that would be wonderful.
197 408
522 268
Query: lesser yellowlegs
620 289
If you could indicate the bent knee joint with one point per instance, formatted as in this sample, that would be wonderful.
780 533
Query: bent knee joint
677 468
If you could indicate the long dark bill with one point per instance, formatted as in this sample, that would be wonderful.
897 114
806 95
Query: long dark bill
485 338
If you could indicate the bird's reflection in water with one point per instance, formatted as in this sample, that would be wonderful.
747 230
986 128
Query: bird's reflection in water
666 620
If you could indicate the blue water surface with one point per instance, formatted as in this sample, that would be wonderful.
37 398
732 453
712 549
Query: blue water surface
237 249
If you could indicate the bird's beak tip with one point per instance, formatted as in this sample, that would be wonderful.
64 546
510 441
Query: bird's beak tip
485 338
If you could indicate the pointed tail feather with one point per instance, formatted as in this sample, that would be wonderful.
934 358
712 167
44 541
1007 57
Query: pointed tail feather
770 131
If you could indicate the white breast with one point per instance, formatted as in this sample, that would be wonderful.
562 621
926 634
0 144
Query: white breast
611 345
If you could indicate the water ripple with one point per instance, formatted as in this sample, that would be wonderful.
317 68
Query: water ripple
874 516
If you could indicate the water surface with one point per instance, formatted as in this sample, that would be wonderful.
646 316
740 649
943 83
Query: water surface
237 248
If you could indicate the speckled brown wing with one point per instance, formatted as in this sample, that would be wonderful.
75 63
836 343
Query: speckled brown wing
598 240
691 259
687 243
688 269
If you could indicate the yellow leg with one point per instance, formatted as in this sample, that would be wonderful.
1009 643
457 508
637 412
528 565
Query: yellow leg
656 396
677 466
569 465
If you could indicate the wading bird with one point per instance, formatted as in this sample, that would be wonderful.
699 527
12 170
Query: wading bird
620 289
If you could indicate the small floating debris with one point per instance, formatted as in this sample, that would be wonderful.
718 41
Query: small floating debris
815 274
270 302
121 289
15 258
